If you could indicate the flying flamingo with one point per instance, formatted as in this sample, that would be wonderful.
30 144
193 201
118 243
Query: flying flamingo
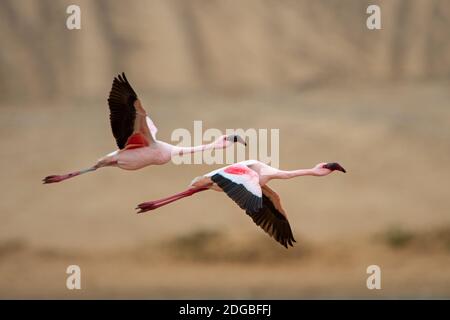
135 136
246 184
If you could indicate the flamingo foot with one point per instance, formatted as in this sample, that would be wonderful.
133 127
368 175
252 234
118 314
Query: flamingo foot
147 206
59 178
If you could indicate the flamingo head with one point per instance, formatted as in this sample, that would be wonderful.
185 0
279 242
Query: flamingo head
226 140
324 168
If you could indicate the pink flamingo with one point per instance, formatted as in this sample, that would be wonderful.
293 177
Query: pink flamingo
246 184
135 136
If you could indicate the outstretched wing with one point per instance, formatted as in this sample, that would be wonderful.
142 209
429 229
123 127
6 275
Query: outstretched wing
241 184
272 218
129 123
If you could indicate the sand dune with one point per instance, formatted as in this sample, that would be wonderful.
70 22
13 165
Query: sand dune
184 46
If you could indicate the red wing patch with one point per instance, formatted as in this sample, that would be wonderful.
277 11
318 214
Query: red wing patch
136 140
237 170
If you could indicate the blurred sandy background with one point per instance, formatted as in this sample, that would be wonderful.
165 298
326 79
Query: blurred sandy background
376 101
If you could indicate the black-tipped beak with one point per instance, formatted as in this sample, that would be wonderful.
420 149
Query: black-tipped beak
334 166
240 140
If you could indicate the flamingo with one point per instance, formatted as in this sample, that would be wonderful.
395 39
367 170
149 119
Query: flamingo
246 184
135 135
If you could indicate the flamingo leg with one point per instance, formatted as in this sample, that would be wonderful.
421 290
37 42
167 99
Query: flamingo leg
59 178
177 195
152 205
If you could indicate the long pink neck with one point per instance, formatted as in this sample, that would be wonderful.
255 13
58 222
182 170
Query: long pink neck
281 174
188 150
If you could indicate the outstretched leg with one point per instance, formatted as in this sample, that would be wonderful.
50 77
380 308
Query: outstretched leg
152 205
62 177
104 162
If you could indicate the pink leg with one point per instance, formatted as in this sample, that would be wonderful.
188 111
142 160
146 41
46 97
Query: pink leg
177 195
152 205
59 178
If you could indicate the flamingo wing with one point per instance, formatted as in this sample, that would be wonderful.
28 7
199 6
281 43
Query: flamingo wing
241 184
130 124
272 218
152 127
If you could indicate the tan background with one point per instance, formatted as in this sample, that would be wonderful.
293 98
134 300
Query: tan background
376 101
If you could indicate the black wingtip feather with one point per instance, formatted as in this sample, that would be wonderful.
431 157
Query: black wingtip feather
261 210
273 223
238 193
122 112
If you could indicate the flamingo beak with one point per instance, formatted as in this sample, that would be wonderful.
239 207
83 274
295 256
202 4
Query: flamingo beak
334 166
240 140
